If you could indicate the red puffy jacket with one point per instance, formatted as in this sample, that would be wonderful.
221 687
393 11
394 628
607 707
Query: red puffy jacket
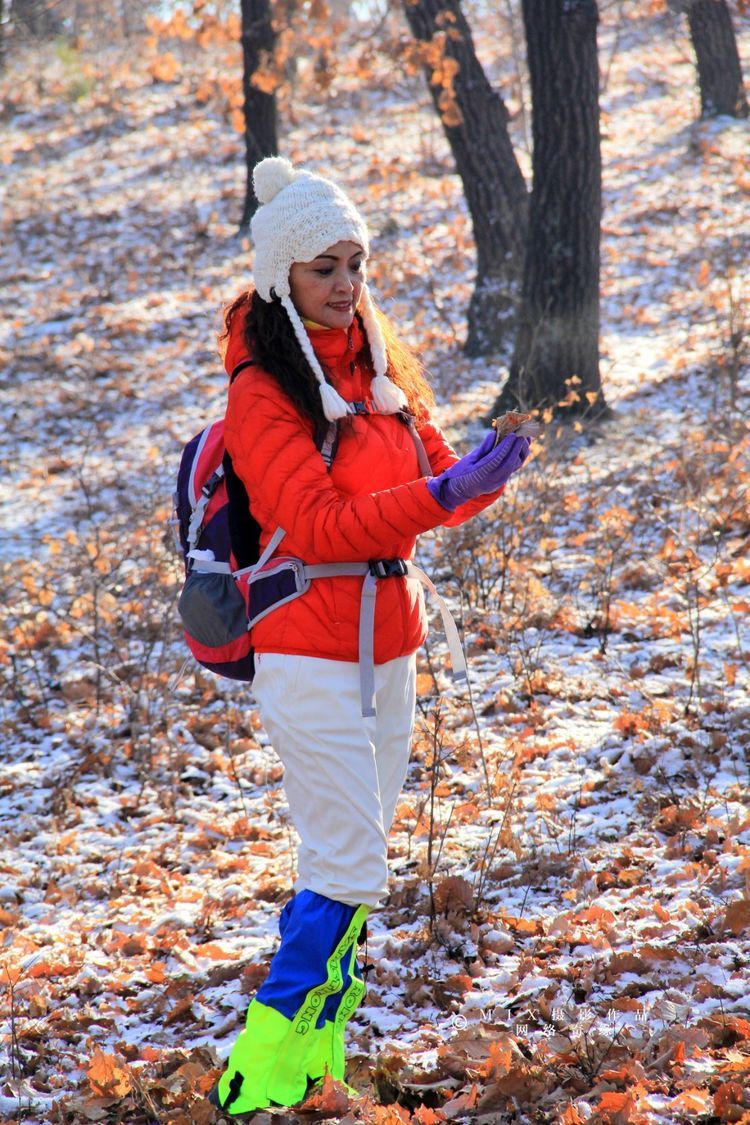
372 504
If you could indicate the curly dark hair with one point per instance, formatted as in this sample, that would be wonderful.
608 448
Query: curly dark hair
271 341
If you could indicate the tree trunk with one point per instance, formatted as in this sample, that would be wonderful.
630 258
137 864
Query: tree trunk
131 18
258 42
475 121
558 322
36 18
719 72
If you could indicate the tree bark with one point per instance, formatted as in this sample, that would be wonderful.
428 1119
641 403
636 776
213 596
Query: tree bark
558 321
36 18
719 71
475 121
258 42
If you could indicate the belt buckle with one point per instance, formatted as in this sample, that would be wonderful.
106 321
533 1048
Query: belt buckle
388 568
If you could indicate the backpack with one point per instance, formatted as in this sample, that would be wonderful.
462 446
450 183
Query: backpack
230 584
220 544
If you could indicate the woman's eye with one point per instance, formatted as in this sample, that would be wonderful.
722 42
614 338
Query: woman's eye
326 271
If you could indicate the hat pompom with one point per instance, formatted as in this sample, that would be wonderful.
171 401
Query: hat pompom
271 175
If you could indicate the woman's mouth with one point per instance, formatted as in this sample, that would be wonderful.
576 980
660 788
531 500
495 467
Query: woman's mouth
341 306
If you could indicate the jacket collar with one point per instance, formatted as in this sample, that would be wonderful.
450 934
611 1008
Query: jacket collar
333 344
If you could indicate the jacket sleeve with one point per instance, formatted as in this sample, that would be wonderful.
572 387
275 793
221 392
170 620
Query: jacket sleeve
441 454
273 453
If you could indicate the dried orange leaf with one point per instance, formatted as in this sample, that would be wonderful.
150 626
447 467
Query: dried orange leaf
514 422
571 1116
693 1100
454 895
108 1076
215 951
728 1094
737 917
330 1099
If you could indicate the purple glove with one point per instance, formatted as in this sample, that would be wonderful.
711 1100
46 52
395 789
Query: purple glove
483 470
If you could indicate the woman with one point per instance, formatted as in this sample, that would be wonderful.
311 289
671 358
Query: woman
312 352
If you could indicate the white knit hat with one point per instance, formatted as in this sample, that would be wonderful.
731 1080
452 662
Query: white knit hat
300 216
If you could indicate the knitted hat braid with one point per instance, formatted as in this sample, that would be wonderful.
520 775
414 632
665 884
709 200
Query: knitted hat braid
388 398
334 406
302 215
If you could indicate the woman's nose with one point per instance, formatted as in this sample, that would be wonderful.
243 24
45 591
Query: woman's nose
344 283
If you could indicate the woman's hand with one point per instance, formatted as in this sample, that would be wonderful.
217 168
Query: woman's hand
485 469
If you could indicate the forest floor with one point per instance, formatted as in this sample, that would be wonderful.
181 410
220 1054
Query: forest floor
566 938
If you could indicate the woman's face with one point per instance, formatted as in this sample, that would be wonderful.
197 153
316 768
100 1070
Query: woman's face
327 290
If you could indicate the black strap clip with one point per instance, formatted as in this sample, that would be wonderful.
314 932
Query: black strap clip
388 568
213 483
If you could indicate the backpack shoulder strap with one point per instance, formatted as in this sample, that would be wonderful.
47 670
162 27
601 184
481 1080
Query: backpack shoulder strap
240 367
326 439
326 436
425 467
367 406
244 531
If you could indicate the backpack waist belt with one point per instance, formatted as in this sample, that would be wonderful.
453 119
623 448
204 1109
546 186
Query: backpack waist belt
297 577
374 572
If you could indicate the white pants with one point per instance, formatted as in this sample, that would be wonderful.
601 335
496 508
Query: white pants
342 773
